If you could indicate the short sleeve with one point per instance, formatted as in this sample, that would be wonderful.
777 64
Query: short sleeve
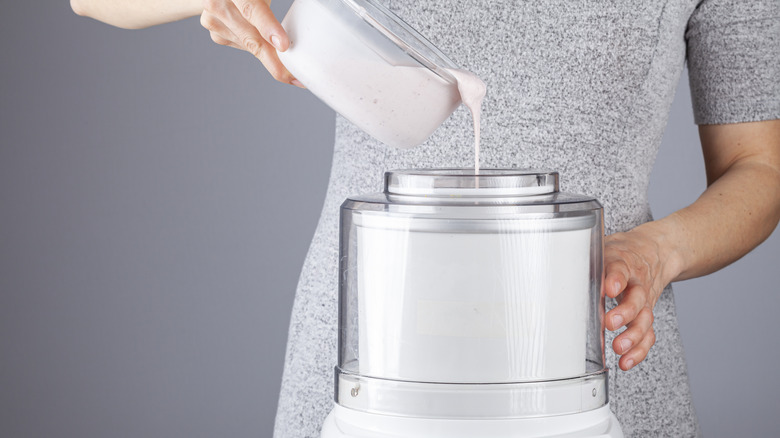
734 61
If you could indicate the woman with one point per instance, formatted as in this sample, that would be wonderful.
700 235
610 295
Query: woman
579 87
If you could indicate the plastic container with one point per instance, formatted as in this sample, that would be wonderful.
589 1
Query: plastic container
370 67
471 296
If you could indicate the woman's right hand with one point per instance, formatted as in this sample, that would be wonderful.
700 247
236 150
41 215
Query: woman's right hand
249 25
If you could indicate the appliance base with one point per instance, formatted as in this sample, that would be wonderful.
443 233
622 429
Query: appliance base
348 423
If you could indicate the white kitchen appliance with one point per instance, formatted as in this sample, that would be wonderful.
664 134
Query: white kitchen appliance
471 306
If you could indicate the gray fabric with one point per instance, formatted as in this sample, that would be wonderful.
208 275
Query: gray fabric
733 53
583 88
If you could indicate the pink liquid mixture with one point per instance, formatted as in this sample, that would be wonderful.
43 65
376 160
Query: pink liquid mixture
472 93
395 100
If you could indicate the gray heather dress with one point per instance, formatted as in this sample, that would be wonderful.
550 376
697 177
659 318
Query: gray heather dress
580 87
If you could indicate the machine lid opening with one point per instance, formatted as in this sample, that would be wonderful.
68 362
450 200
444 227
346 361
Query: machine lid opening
468 183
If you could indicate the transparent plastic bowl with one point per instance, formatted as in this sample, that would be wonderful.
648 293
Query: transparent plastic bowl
370 67
466 295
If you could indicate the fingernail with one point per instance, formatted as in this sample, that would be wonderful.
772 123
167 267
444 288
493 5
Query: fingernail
630 363
625 344
276 41
617 321
297 83
617 287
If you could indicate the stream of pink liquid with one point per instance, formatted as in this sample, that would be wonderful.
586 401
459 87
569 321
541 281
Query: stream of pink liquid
472 92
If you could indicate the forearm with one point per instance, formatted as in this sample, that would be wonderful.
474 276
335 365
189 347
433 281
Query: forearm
739 210
137 14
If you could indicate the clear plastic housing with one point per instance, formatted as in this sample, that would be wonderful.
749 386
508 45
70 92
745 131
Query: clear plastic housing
466 295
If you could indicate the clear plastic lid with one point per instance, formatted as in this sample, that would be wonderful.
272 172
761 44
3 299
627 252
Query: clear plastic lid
465 295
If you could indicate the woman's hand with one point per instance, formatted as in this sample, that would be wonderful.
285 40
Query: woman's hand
637 268
739 209
249 25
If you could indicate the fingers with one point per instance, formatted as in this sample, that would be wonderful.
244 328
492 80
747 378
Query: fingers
635 312
270 60
634 343
224 42
634 276
616 277
632 301
246 35
259 15
220 33
230 26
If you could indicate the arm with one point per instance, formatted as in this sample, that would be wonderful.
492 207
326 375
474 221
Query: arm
137 14
242 24
739 209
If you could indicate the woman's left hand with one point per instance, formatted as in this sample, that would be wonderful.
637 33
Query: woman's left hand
635 273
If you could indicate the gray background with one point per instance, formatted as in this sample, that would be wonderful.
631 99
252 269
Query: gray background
157 197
